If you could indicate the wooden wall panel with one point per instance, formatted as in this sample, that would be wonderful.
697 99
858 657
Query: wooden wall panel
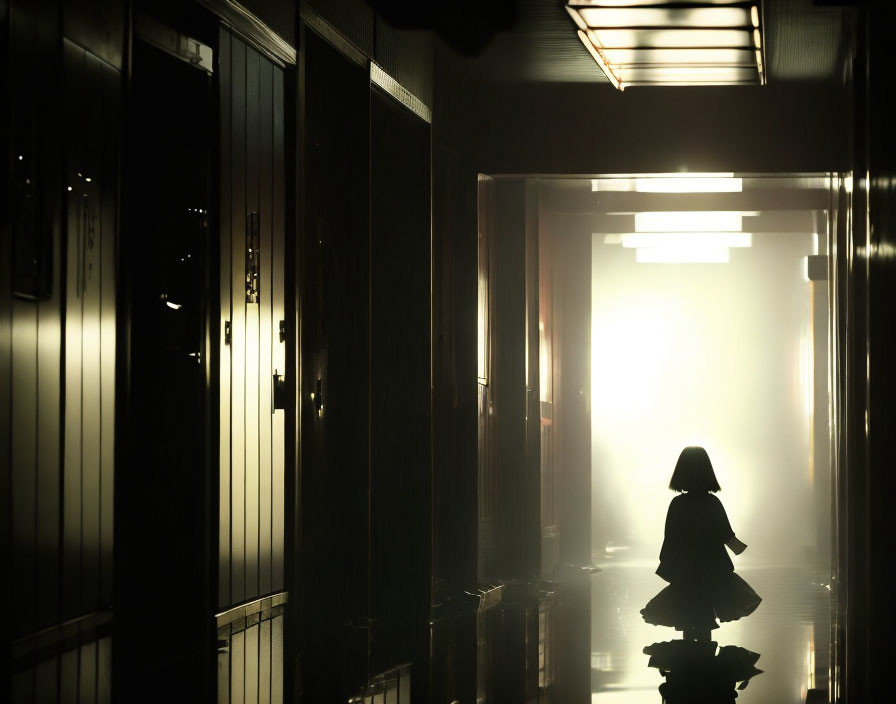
252 452
335 367
108 248
264 662
68 677
277 660
225 345
46 681
74 59
400 386
24 461
237 200
90 244
251 436
237 668
267 326
278 313
250 682
89 337
250 659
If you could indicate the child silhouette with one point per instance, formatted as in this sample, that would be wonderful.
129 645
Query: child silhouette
702 582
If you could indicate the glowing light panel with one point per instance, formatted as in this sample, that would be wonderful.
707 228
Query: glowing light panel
635 240
682 255
661 42
690 221
689 184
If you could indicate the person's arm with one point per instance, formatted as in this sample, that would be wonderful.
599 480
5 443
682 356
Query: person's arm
735 546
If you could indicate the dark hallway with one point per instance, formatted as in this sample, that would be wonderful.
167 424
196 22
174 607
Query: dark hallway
347 348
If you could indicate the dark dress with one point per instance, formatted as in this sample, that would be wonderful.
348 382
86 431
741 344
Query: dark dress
695 562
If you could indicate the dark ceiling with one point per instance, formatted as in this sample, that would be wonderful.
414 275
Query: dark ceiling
803 42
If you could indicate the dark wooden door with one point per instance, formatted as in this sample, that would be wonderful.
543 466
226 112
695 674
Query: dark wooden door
251 342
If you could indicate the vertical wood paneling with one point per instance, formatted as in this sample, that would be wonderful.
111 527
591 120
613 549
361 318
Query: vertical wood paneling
238 370
224 672
5 383
264 662
104 671
71 570
87 673
237 671
278 213
252 163
49 409
90 342
226 226
252 334
49 388
68 677
21 451
24 461
46 681
277 660
108 247
251 660
22 686
266 326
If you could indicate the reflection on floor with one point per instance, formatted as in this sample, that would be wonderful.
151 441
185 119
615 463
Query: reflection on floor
789 631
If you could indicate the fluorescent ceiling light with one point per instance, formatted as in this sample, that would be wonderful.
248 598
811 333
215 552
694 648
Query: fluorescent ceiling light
660 17
682 182
689 184
682 255
647 3
690 221
666 42
599 60
686 240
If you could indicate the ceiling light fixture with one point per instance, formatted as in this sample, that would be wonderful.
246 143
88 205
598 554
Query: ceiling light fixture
682 255
667 42
683 182
691 221
636 240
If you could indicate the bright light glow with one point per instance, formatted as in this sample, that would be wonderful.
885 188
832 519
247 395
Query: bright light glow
807 372
173 306
577 18
678 57
682 255
690 74
653 43
635 240
672 38
690 221
591 43
663 17
682 182
689 184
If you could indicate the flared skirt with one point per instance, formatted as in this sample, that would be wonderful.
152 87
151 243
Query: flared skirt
698 604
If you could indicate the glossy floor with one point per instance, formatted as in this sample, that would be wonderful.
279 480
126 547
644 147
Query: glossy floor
790 632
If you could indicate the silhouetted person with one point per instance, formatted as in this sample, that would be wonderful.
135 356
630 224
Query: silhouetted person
696 674
702 583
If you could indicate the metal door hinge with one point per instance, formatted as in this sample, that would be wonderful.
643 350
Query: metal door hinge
227 333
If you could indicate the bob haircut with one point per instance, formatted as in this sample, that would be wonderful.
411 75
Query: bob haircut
693 472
